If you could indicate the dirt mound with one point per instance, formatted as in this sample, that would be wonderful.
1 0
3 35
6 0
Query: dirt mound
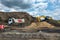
39 25
5 15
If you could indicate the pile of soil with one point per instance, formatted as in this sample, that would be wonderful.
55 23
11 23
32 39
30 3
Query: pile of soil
19 15
39 25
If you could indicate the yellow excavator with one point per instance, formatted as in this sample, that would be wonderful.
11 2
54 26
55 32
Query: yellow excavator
43 18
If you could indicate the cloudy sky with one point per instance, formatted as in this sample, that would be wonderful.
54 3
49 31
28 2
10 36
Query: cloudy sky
33 7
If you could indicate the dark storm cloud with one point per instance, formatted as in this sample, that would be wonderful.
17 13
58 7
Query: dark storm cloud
16 3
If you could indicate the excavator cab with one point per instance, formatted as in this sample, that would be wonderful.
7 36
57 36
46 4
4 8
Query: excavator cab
48 18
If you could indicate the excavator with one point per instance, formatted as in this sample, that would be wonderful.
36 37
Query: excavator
47 19
43 18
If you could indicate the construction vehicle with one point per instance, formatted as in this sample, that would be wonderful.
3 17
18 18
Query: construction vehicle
13 20
43 18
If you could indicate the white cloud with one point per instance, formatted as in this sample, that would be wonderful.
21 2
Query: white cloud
43 5
13 10
40 0
33 13
28 1
52 1
40 6
57 12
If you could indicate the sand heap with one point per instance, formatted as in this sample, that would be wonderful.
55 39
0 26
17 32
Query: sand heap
39 25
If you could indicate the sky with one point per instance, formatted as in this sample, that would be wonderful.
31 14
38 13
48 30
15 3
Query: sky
33 7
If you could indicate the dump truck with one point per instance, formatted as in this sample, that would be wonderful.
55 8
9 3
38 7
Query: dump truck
13 20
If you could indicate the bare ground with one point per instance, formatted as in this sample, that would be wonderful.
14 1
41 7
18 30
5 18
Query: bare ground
29 36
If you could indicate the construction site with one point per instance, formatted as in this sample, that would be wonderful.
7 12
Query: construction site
18 23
